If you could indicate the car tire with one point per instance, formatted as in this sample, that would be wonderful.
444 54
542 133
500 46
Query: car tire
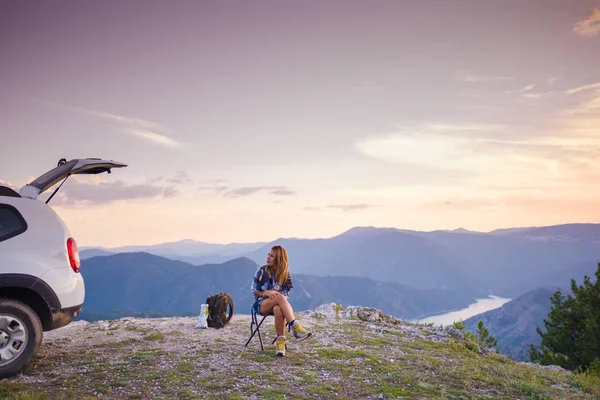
20 336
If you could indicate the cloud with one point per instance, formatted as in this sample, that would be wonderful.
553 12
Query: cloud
250 190
170 191
478 78
462 152
527 88
310 208
589 107
80 192
559 157
180 178
463 127
584 87
590 26
153 137
417 149
282 191
431 144
533 95
227 191
140 128
526 92
351 207
246 191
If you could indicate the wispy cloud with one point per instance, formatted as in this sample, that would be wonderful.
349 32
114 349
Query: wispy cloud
81 191
525 92
141 128
153 137
351 207
180 178
468 77
431 144
590 86
311 208
464 152
464 127
590 26
590 107
527 88
227 191
533 95
561 155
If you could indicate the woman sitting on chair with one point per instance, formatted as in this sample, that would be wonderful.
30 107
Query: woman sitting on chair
271 286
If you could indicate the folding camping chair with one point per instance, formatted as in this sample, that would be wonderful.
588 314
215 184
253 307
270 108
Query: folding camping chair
255 313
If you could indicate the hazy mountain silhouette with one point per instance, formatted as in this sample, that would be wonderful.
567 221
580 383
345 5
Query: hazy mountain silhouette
141 283
192 251
506 262
381 254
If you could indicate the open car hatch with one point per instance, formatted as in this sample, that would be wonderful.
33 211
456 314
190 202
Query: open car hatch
64 170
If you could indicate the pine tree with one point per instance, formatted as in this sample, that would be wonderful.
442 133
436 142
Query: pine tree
482 336
572 337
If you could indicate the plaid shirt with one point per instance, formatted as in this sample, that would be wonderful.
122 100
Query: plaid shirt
262 282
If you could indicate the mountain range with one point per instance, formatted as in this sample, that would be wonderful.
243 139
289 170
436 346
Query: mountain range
144 284
508 262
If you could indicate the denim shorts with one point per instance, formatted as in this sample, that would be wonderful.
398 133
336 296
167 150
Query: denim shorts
257 304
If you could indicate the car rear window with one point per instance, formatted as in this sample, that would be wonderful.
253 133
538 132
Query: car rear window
12 222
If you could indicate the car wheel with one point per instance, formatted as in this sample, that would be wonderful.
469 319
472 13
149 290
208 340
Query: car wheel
20 336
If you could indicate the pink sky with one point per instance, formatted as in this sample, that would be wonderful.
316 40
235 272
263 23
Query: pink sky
252 121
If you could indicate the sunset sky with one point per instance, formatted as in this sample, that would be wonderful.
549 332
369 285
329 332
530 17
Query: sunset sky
248 121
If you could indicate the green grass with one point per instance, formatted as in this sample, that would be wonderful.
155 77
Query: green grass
357 362
155 336
340 354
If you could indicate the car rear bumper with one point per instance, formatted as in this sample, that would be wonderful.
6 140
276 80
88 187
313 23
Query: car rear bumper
64 316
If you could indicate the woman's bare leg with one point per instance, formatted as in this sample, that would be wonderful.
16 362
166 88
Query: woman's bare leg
279 321
280 300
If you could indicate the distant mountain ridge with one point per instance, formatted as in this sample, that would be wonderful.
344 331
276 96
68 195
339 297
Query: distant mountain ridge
192 251
185 247
384 255
505 262
143 284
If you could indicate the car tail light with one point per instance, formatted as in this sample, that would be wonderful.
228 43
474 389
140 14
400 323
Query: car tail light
73 253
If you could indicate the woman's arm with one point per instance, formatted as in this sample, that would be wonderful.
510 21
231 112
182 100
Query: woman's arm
255 288
257 284
287 286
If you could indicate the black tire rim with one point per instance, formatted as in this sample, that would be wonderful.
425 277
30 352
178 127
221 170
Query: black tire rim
13 338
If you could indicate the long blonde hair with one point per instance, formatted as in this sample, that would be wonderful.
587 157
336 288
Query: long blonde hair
280 265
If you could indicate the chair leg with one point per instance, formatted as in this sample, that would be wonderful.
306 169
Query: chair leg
252 330
257 330
262 348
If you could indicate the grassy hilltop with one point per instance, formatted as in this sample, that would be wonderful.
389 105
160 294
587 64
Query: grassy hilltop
355 353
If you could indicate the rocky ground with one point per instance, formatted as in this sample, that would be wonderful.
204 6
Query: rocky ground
354 353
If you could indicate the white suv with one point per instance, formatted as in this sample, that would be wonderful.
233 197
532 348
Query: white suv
40 285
